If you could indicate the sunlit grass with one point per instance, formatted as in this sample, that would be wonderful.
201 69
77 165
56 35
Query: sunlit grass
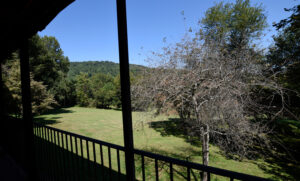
106 125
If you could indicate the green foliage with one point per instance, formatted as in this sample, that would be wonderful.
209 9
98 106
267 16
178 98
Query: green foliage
234 24
42 100
104 96
99 86
83 90
49 65
159 135
100 89
284 56
103 90
117 92
105 67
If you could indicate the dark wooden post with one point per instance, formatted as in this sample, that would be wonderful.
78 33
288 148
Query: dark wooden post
125 89
1 92
27 111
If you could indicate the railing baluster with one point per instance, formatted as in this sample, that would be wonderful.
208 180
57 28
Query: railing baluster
208 176
68 157
72 163
143 167
77 159
88 159
67 145
81 148
95 161
102 162
50 171
82 158
76 148
56 158
45 152
119 167
39 154
62 141
156 170
69 165
54 153
60 155
171 171
50 155
87 149
64 156
109 162
188 173
231 179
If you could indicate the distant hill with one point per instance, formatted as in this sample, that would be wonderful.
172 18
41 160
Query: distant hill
106 67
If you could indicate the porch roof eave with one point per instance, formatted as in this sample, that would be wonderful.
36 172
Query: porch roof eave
22 19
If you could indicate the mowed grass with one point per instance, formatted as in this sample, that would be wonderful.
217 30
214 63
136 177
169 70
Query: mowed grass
106 125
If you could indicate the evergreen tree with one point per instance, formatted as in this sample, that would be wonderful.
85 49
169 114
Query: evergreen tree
284 56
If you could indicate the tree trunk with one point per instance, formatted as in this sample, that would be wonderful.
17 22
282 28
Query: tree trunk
205 150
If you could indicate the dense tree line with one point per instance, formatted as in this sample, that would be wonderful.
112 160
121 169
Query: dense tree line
105 67
42 99
99 91
57 83
284 56
48 73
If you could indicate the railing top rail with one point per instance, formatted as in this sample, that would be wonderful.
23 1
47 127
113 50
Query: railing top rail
84 137
213 170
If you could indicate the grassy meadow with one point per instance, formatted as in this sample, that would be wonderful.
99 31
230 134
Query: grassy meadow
159 135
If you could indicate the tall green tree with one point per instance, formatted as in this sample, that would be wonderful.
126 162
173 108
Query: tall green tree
49 65
103 90
117 92
234 24
284 55
42 99
84 94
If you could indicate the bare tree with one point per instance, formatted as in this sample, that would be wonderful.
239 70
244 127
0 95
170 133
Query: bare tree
218 93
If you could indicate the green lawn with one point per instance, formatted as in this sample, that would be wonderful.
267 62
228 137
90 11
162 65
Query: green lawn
159 135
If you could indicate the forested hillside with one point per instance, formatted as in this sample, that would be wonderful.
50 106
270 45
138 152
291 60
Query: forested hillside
105 67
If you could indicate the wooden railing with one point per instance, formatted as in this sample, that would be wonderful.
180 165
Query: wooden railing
63 155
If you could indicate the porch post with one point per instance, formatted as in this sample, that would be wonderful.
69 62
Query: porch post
1 92
125 89
27 110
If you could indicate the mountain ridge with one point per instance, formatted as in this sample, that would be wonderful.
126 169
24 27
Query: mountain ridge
95 66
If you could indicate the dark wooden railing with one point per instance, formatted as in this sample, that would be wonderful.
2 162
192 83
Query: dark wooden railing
63 155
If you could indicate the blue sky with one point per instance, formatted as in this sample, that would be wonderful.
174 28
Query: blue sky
87 29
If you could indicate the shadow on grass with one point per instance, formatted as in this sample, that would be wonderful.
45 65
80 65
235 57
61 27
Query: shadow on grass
284 160
57 111
280 169
46 121
53 119
174 127
179 172
56 163
284 165
275 164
